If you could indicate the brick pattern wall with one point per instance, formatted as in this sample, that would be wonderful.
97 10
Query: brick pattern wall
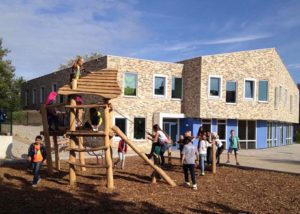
259 65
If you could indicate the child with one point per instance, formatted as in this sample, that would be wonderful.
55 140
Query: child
122 149
94 120
220 148
234 146
37 156
188 161
52 115
203 144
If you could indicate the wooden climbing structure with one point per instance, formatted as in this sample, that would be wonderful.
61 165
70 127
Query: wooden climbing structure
102 83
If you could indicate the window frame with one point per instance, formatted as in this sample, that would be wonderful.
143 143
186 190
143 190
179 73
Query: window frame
26 103
53 87
117 138
236 93
165 89
173 77
247 134
136 83
41 94
145 129
263 101
220 85
254 89
34 96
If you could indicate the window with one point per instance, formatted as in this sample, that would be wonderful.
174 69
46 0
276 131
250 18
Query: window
61 99
54 87
280 94
139 128
288 134
176 88
215 87
33 96
263 90
275 134
276 98
130 83
222 131
269 134
249 89
26 97
121 123
247 134
285 97
160 86
230 92
206 125
42 94
291 103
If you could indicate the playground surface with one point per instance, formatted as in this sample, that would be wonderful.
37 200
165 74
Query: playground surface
231 190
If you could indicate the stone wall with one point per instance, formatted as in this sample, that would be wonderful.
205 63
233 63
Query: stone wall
262 64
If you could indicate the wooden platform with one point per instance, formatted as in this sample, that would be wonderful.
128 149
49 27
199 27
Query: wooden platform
54 133
87 149
86 133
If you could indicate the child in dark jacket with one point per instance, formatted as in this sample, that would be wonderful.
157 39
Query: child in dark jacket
122 149
37 156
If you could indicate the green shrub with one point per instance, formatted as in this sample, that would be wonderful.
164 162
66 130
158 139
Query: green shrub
19 117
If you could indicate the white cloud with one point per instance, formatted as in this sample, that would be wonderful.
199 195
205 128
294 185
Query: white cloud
43 34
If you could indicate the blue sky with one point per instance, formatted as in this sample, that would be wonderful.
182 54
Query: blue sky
44 34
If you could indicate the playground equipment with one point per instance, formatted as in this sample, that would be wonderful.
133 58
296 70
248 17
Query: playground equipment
104 84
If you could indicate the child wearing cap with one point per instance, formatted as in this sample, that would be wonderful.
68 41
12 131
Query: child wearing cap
37 156
189 156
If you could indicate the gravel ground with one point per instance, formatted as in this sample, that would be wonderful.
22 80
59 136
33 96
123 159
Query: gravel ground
231 190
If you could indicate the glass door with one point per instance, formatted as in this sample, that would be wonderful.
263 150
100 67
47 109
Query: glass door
170 126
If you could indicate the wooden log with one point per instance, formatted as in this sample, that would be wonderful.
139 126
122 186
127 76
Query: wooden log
214 162
47 139
72 157
57 161
83 133
81 154
87 149
85 106
87 165
144 157
108 157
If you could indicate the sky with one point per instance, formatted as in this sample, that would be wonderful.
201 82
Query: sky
42 34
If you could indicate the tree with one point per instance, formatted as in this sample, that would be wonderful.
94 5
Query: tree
86 57
10 86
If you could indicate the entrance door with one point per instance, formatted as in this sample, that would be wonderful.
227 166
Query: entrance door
170 126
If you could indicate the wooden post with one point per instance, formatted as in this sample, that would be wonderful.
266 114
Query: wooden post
57 161
47 139
144 157
214 162
109 170
72 157
81 154
169 156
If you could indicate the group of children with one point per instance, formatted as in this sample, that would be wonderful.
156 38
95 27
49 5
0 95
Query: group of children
200 148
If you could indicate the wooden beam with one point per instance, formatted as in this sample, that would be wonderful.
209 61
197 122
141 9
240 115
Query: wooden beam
86 106
87 165
143 156
83 133
47 139
108 155
72 157
87 149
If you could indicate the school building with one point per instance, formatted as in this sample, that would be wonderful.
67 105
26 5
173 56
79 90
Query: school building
250 92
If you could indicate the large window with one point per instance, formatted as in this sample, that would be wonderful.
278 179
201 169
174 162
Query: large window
33 96
215 86
42 94
160 86
247 134
263 90
139 128
288 134
230 92
176 88
54 87
275 133
222 131
121 123
249 91
269 134
130 83
206 125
